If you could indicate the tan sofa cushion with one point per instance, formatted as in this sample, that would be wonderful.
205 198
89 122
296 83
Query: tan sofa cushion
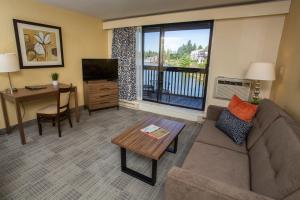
275 160
183 184
218 163
267 113
209 134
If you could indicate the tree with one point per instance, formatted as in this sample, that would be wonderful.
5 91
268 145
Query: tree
150 53
186 49
194 47
185 61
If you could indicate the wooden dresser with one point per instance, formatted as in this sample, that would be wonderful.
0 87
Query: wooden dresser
100 94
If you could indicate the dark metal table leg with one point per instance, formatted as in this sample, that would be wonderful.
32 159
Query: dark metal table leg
123 159
136 174
174 148
154 171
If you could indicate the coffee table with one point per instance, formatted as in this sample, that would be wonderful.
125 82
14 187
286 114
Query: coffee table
136 141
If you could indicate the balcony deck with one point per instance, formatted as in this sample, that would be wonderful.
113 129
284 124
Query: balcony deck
176 100
178 86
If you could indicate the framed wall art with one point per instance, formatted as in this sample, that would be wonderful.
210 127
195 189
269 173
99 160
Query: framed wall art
39 45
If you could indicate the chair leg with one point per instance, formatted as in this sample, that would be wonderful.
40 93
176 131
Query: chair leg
58 126
39 125
53 122
70 120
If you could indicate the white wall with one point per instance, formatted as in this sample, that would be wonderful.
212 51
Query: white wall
238 42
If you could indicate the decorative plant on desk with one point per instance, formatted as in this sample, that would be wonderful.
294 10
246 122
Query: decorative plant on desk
55 77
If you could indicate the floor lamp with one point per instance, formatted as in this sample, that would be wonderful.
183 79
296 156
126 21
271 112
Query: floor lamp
9 63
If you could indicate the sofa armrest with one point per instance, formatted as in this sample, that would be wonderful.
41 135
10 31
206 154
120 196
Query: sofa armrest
213 112
182 184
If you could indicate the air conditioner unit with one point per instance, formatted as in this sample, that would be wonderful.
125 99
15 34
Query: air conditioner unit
225 88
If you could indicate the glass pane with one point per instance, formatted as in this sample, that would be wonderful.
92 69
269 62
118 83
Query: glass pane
151 48
186 48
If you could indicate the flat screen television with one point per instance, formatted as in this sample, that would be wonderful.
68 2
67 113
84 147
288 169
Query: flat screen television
99 69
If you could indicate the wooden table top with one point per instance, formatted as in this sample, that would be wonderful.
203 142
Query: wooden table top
135 140
26 94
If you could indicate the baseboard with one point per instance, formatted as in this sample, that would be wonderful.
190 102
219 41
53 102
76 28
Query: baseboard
172 111
129 104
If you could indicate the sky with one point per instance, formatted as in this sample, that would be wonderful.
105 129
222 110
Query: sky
175 39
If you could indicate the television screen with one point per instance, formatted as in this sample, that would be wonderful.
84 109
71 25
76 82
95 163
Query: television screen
99 69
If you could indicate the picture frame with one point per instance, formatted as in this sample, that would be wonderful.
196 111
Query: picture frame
38 45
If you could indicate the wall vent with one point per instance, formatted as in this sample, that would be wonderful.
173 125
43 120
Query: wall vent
225 88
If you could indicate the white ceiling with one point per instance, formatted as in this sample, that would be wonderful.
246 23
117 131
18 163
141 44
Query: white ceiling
114 9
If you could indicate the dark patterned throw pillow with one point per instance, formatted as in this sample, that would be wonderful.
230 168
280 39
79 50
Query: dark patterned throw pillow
234 127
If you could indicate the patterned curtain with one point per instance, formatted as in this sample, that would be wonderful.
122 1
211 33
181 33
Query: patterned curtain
124 49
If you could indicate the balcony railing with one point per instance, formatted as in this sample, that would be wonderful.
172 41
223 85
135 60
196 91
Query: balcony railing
180 82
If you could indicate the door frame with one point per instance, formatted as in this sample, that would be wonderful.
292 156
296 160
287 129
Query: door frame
177 26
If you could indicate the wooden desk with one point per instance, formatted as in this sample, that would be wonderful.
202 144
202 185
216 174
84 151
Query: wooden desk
23 95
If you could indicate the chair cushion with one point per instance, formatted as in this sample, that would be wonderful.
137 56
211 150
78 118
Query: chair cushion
242 109
275 160
50 110
218 163
234 127
209 134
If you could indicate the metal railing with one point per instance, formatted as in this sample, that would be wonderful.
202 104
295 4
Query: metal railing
180 81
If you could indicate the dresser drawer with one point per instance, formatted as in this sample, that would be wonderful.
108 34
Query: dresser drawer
101 94
103 98
104 92
102 86
103 104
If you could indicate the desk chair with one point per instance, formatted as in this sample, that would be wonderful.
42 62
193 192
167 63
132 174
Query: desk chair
55 113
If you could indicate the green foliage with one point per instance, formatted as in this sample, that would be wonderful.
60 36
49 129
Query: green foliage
186 49
54 76
185 61
150 53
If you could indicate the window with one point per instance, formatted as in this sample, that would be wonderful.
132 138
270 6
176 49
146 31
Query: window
175 63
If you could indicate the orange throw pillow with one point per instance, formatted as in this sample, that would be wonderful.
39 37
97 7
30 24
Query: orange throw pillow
242 109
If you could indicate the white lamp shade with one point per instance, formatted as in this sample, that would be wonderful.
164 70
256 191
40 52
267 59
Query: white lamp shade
9 62
262 71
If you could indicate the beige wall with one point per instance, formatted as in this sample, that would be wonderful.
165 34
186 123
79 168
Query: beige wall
231 12
286 90
238 42
82 37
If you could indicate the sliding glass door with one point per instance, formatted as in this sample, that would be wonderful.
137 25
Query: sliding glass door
175 63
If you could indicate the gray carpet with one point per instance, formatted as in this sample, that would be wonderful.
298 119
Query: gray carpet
83 164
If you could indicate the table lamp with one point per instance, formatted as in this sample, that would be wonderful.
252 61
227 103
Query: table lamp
260 71
9 63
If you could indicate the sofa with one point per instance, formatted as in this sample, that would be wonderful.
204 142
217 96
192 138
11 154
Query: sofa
267 167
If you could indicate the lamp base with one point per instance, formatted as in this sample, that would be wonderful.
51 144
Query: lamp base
255 101
255 96
11 91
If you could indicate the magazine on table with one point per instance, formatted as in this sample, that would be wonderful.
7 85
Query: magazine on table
155 132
